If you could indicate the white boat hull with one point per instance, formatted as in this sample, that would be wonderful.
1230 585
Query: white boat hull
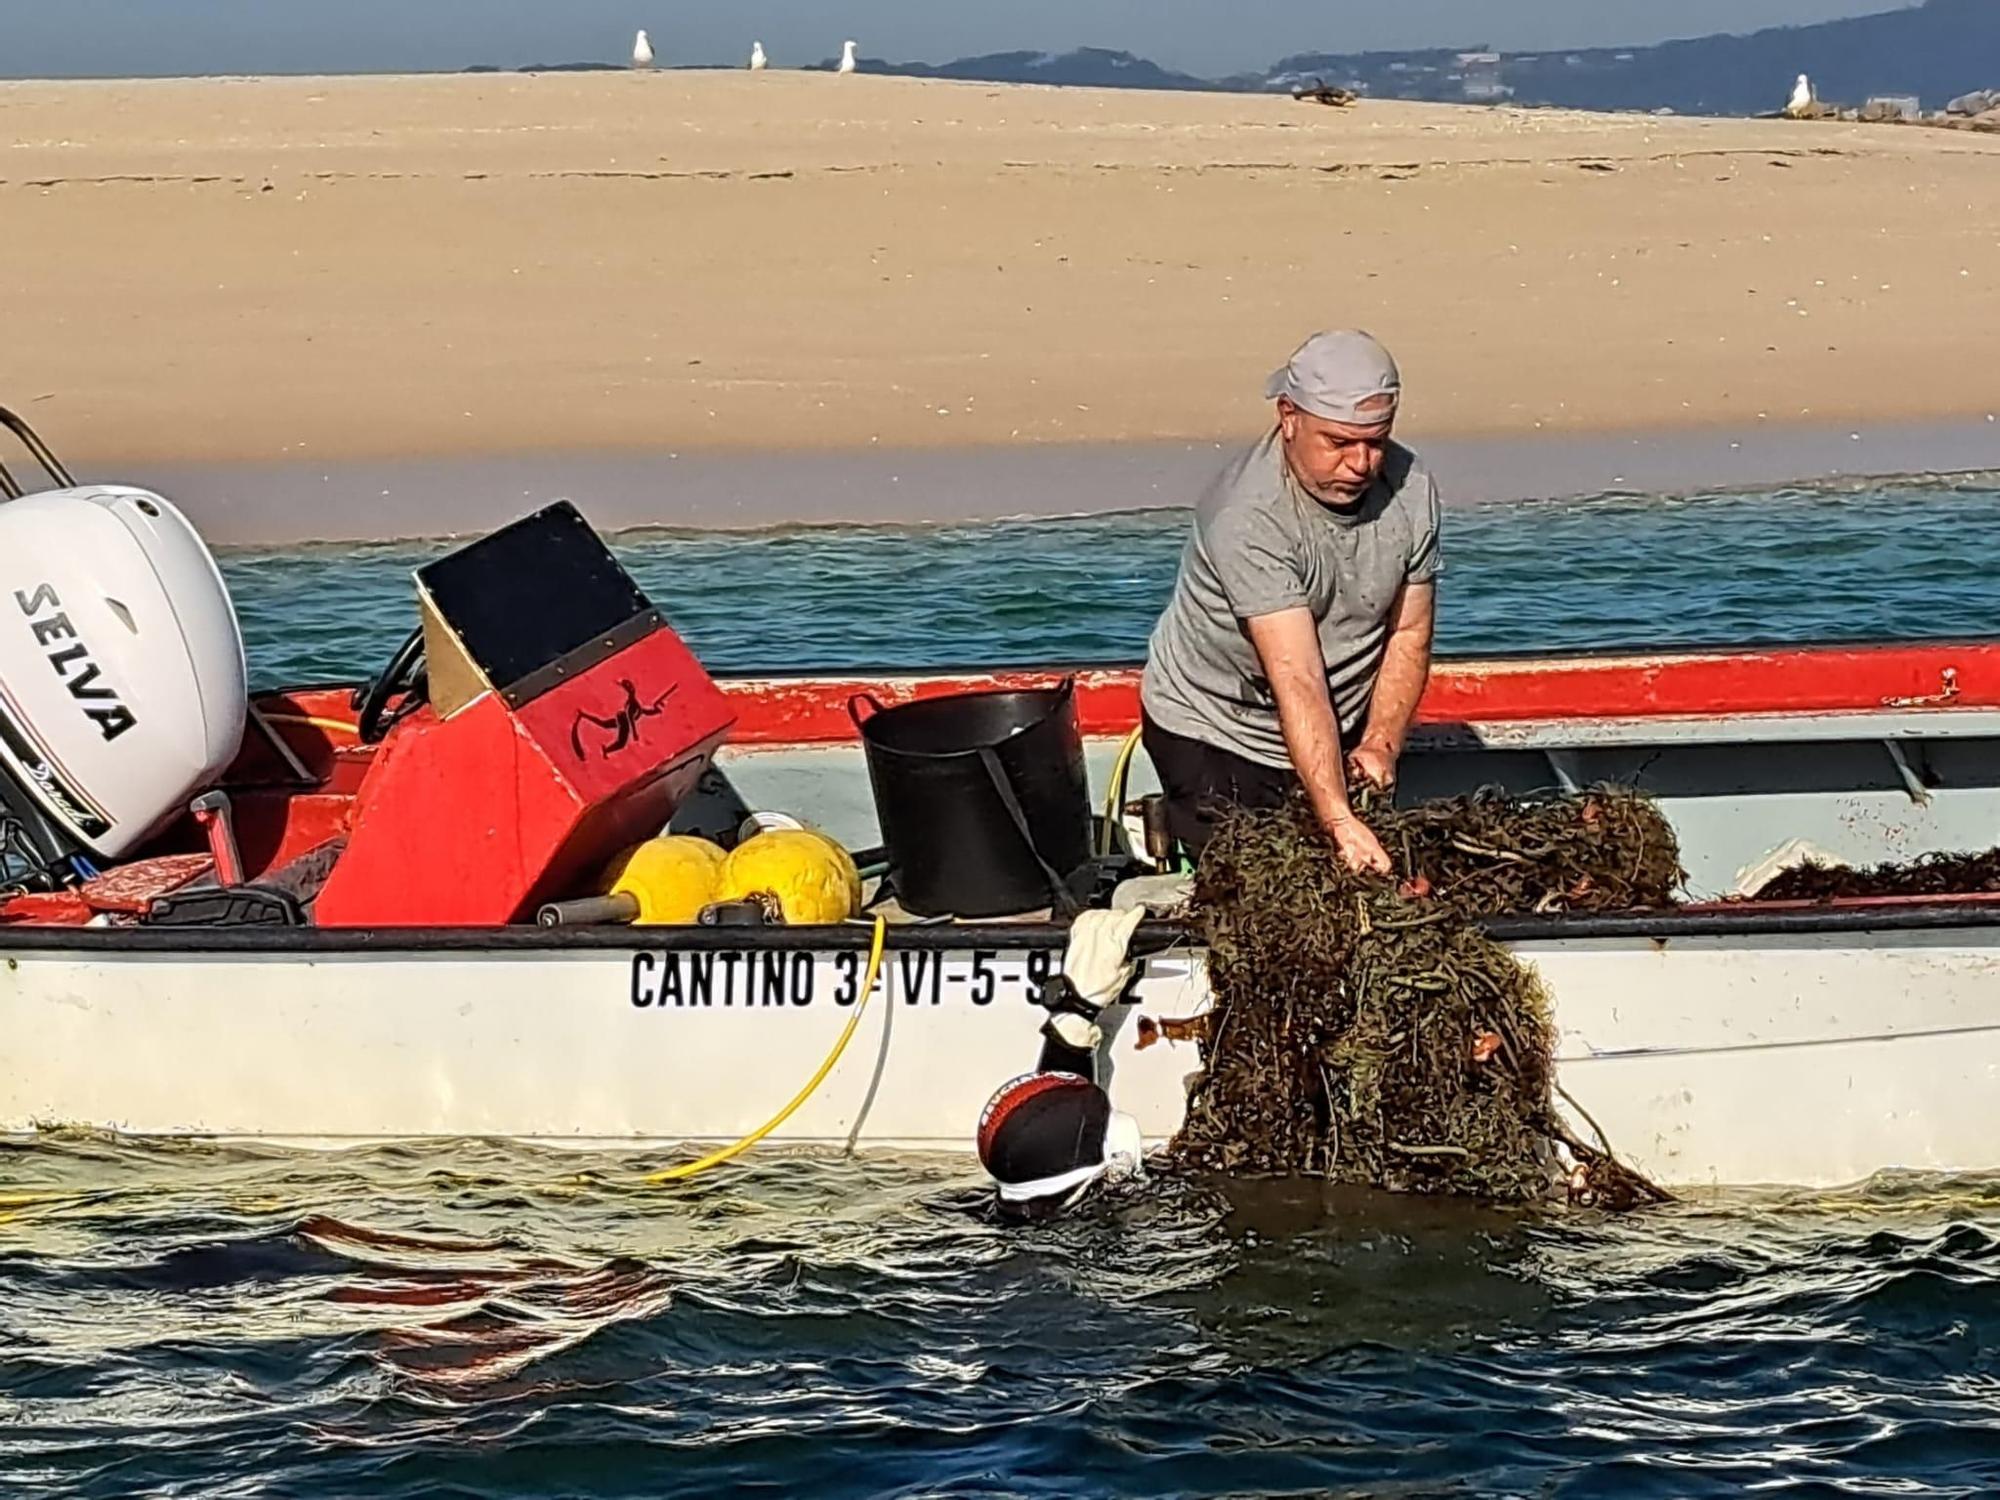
1807 1058
1806 1049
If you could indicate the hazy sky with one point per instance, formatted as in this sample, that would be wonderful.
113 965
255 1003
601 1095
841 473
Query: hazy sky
70 38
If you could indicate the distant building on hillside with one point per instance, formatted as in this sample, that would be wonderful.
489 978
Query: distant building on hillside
1479 77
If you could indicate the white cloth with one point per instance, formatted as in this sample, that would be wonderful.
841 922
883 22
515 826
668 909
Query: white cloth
1158 894
1077 1033
1789 855
1124 1147
1124 1158
1098 962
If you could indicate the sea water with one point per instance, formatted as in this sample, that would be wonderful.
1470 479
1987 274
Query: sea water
1890 562
470 1319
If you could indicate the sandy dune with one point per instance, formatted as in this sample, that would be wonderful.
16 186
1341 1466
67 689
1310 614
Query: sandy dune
316 268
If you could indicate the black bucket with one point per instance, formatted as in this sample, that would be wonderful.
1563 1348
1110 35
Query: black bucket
982 799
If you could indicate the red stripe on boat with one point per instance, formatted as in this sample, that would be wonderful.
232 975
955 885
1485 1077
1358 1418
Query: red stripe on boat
1861 679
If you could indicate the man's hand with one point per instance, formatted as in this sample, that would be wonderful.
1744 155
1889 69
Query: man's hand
1372 762
1358 847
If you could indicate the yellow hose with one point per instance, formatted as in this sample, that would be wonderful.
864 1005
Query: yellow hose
316 723
1115 795
717 1158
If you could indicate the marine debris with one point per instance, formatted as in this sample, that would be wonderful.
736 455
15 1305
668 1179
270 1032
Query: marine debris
1927 875
1369 1031
1978 110
1320 93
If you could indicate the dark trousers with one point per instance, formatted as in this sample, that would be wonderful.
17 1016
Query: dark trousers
1202 782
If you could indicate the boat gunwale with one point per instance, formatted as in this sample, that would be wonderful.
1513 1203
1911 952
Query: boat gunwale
1503 659
784 712
1507 660
1154 938
1942 680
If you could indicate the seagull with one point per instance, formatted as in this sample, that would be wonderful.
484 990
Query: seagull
1802 97
846 57
758 62
642 51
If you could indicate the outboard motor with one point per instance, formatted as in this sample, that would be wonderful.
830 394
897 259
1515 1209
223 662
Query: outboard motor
122 682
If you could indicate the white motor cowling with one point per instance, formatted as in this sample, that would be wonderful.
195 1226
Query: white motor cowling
122 682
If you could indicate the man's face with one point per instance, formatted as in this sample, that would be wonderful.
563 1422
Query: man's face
1336 462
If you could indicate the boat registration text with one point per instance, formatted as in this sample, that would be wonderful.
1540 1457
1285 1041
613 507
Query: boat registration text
680 978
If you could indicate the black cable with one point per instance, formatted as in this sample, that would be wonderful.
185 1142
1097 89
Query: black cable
19 862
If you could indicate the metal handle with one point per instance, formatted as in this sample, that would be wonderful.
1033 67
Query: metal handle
218 824
588 911
43 455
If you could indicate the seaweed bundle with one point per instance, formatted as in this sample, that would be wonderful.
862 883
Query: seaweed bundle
1926 875
1368 1030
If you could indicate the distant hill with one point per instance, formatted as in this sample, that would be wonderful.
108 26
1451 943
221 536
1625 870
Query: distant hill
1087 67
1936 51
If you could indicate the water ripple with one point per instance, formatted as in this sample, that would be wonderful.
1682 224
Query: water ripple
480 1319
1838 564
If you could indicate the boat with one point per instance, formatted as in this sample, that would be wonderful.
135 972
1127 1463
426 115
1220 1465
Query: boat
1720 1042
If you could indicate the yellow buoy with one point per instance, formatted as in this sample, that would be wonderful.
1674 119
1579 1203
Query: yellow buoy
811 877
671 878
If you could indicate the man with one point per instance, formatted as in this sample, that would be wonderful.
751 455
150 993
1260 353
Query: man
1300 624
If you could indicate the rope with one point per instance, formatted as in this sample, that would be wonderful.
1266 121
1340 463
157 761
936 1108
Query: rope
737 1148
1114 794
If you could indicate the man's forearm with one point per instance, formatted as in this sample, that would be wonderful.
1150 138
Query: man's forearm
1399 686
1287 643
1312 739
1406 666
1288 646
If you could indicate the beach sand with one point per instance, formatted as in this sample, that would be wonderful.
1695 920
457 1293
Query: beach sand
305 269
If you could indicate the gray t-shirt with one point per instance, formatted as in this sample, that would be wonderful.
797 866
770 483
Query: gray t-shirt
1261 544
